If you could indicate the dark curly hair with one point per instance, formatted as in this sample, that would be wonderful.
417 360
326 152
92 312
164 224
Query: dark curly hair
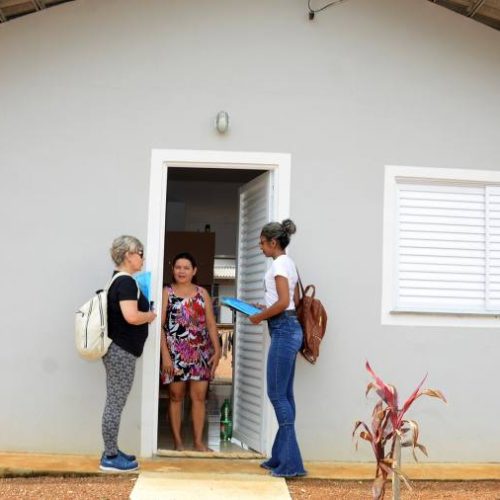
279 231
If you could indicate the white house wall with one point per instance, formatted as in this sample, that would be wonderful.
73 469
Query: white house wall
89 88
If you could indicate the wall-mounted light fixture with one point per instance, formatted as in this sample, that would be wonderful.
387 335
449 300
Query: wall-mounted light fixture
222 122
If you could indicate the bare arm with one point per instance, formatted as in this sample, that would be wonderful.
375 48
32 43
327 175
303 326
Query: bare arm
132 314
279 306
212 330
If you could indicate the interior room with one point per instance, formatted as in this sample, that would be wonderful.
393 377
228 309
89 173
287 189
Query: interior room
202 218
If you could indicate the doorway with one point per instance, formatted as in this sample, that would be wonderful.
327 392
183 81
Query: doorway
202 216
227 197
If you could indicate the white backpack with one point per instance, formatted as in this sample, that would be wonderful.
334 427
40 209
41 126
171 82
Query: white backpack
91 324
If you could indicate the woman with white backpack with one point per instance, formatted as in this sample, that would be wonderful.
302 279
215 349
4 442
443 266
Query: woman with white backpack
128 318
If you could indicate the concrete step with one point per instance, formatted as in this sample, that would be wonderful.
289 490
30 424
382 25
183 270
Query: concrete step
209 486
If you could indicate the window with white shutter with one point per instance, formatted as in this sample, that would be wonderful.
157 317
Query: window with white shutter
444 237
492 245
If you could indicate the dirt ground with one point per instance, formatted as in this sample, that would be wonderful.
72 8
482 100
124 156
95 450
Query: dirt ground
117 487
319 489
55 488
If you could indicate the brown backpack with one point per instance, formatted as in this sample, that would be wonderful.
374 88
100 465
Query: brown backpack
312 316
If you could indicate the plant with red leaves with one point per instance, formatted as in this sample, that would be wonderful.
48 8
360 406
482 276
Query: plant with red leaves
390 429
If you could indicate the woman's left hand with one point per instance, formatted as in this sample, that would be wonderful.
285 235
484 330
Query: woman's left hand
214 362
255 319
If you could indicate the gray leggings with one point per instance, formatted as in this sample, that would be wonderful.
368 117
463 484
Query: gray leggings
120 369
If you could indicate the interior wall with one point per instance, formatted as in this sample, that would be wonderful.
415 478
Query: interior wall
89 88
227 289
212 203
191 205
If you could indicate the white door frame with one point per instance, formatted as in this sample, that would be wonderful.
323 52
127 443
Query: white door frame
161 159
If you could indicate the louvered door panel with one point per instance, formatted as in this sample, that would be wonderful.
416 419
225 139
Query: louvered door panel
249 346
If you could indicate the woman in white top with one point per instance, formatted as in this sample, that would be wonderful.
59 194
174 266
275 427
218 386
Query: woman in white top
281 295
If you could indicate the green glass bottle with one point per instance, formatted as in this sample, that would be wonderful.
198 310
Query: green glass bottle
226 421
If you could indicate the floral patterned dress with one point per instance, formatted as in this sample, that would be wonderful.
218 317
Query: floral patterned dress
187 337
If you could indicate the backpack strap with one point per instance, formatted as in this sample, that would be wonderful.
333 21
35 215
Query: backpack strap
305 290
117 275
301 286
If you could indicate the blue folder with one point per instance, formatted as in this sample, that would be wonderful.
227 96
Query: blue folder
240 305
143 279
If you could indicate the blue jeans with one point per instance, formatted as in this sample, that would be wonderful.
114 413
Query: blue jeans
286 340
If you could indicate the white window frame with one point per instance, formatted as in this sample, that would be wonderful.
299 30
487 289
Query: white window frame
390 315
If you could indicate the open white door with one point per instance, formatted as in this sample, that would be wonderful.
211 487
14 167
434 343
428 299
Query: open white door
250 343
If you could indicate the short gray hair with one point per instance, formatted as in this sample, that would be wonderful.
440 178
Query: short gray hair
279 231
122 245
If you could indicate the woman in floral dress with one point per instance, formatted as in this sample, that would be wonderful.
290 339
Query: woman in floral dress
190 349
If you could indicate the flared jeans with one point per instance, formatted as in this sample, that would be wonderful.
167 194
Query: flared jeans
286 340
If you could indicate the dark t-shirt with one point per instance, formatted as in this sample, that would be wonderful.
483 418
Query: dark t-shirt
129 337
